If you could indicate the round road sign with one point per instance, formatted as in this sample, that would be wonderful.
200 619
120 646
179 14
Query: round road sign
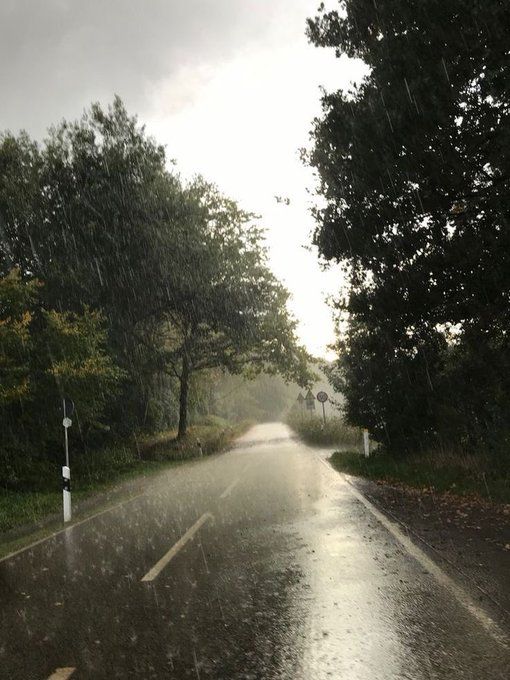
67 422
322 397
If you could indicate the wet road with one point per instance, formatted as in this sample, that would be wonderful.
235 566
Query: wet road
260 563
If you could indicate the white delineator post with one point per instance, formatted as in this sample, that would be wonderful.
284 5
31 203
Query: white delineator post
66 492
66 472
366 443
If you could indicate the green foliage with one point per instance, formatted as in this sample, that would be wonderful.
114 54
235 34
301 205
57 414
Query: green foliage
16 300
334 432
95 215
45 355
435 471
147 282
414 170
214 421
79 365
235 316
262 398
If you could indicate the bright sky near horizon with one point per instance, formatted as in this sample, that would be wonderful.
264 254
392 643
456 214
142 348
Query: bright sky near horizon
229 86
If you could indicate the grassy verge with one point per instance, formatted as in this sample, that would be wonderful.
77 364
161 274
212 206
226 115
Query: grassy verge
37 495
438 472
334 432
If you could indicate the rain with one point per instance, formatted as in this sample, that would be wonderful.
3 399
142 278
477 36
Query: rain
254 322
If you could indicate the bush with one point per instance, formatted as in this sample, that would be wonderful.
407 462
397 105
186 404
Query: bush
334 432
212 421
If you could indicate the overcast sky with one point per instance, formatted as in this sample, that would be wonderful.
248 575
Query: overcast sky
229 86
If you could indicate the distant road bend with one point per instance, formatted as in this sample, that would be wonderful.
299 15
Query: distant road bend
259 563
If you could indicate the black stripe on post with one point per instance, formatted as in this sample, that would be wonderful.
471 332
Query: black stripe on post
66 484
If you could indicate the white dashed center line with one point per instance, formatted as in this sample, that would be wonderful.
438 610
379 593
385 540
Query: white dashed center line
229 488
167 557
62 673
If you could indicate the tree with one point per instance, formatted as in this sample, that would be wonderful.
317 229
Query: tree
16 300
94 213
44 356
75 363
222 395
230 310
177 273
414 167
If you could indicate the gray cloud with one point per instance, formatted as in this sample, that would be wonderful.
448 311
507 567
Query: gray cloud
56 56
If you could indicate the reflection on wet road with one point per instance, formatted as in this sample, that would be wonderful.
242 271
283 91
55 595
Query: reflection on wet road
260 563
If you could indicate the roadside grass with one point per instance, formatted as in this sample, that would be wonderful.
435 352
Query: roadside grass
211 436
34 493
441 472
334 432
437 471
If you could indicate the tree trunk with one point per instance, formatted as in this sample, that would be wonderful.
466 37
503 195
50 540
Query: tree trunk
183 398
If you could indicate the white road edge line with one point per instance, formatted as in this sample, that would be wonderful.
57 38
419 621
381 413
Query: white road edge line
62 673
70 526
428 564
161 564
229 488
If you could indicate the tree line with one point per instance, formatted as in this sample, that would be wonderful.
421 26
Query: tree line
120 283
413 166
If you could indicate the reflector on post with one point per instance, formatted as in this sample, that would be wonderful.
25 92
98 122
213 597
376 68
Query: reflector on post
66 492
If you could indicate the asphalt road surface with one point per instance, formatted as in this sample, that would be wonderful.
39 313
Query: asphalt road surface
259 563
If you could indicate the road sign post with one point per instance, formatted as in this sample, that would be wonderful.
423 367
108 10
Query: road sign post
68 407
322 398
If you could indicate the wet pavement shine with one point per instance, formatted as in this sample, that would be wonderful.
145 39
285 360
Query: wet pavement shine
259 563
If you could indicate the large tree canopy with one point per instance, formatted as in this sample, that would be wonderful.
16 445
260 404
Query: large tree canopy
235 315
177 270
414 167
94 214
